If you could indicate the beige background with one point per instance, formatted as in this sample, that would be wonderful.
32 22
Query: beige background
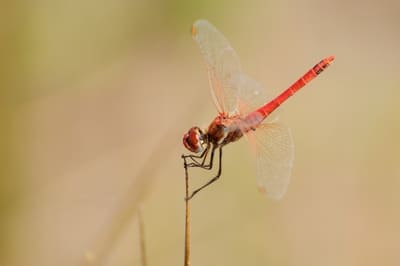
97 95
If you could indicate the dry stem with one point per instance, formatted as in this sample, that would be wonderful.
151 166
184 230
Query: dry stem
187 217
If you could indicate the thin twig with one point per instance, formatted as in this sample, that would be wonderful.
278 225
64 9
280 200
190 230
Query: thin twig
187 217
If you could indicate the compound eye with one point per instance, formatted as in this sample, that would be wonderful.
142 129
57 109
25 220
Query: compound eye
193 140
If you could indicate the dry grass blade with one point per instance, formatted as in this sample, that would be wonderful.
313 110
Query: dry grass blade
130 204
142 238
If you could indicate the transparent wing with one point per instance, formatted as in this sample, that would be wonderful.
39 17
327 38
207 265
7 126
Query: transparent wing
222 63
250 94
274 157
233 91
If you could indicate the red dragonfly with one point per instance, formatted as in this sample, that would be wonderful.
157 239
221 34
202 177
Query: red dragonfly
238 99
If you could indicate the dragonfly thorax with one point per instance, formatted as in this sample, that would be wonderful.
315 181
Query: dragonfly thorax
195 140
225 129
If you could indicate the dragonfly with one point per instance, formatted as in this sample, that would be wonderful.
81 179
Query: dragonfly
243 106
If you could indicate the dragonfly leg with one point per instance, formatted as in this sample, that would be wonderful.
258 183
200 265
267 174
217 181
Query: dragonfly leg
210 163
194 157
195 162
203 164
212 180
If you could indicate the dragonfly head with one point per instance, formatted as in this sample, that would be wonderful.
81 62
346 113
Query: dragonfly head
195 140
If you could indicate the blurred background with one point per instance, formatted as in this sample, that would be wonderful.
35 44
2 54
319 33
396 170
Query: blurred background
95 98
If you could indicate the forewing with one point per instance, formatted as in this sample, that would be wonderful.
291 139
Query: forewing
274 158
222 63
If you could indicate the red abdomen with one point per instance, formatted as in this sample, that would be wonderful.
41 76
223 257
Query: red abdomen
307 77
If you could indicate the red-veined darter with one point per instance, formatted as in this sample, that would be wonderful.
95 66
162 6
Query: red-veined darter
243 105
